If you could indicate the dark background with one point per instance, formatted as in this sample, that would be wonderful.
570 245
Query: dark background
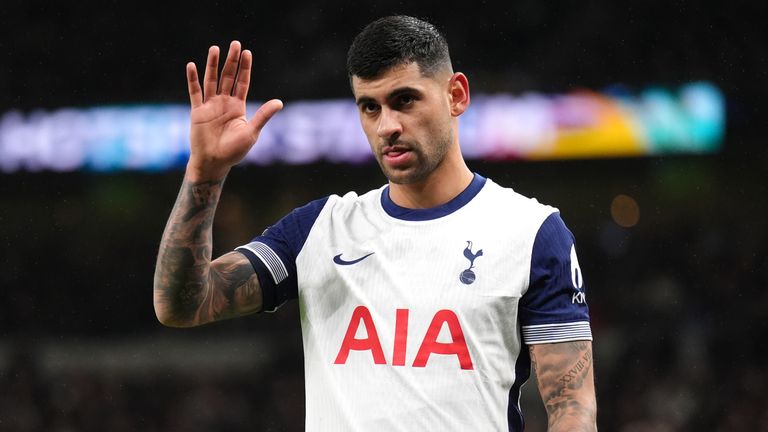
679 301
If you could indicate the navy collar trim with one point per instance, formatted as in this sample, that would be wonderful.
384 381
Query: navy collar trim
451 206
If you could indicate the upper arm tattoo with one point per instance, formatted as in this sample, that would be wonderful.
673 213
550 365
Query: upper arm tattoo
236 284
566 382
188 289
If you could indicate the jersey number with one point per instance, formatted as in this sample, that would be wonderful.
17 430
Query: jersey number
429 345
576 277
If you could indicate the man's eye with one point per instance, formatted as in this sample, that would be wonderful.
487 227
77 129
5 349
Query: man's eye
370 108
406 100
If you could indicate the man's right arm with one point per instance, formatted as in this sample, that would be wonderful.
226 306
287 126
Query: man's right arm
189 289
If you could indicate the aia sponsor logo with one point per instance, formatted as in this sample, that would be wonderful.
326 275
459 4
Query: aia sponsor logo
400 346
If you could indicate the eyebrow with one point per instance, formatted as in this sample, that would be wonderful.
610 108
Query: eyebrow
393 94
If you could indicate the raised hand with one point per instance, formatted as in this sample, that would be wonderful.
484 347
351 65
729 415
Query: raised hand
220 134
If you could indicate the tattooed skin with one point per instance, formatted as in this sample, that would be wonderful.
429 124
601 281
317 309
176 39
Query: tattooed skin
566 383
189 289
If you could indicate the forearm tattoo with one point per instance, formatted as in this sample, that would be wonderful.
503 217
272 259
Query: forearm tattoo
188 290
566 383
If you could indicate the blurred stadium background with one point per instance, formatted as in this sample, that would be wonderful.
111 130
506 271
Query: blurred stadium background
672 239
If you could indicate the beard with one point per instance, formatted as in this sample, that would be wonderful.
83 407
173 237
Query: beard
425 159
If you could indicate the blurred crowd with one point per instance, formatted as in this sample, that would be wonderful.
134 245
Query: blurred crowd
87 400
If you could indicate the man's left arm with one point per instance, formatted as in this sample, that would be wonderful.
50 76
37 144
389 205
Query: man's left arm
555 326
566 382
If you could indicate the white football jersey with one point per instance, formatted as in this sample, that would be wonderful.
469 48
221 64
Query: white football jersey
418 320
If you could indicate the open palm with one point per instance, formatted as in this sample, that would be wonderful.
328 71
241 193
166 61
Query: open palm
220 134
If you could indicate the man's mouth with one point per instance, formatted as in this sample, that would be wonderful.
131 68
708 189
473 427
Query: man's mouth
394 150
396 154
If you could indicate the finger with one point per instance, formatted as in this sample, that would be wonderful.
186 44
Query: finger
193 85
230 69
211 79
243 75
264 113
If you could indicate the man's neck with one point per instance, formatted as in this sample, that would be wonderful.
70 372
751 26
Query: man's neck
442 185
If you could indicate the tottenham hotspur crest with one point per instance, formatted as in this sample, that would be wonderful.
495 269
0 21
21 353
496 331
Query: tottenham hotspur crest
468 276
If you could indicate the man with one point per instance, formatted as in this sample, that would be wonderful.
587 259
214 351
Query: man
425 302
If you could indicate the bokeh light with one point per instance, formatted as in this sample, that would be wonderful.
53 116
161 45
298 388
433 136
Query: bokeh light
625 211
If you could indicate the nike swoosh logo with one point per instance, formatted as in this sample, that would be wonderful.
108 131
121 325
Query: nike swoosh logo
337 259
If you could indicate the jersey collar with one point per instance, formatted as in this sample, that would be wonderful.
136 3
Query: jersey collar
451 206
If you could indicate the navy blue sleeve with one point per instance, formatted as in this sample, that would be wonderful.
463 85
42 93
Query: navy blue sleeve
273 254
554 308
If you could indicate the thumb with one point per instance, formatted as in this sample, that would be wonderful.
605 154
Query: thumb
264 113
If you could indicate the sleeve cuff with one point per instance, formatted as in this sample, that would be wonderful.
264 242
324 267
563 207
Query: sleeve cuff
266 277
559 332
270 259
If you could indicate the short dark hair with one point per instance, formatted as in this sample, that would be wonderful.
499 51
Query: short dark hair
397 40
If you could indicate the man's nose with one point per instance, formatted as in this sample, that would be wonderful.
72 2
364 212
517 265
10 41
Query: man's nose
389 124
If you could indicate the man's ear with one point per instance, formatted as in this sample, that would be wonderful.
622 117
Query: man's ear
458 88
